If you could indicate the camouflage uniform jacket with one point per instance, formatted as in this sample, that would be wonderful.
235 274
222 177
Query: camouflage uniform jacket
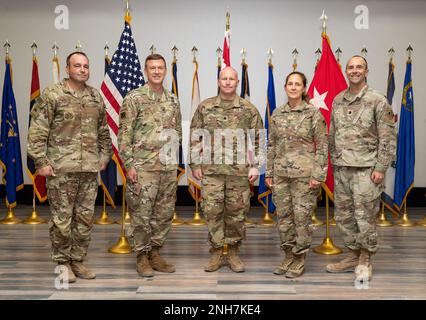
68 130
362 130
297 144
145 119
238 116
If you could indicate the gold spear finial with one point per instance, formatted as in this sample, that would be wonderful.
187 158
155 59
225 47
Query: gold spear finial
270 55
78 46
324 19
219 52
243 55
228 18
194 53
55 49
364 52
409 51
7 48
106 48
34 47
338 53
295 54
318 53
391 53
175 51
127 16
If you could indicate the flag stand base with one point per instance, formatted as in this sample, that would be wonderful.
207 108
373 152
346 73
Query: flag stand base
127 219
267 220
327 247
317 222
383 222
121 247
104 219
10 218
176 220
249 221
422 222
34 219
197 220
406 222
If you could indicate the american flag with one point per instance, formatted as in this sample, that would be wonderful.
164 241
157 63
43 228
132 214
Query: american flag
123 75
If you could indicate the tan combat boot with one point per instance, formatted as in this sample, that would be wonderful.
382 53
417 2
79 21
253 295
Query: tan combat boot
364 269
82 271
234 260
297 267
348 264
215 261
285 264
143 267
71 275
158 263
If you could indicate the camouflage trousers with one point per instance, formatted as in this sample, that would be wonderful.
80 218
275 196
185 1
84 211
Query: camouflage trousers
72 203
226 200
295 203
151 203
357 204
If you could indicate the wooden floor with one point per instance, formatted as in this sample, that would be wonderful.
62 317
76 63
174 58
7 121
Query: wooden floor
26 271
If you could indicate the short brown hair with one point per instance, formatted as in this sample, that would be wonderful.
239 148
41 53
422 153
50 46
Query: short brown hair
358 56
74 53
155 56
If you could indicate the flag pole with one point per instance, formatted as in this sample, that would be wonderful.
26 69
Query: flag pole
196 220
243 52
176 220
123 245
381 220
315 220
267 220
405 221
327 247
10 217
104 219
34 219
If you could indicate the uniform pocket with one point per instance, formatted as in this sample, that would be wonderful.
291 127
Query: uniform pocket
366 118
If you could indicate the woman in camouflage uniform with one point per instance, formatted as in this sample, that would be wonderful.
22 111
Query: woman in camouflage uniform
297 164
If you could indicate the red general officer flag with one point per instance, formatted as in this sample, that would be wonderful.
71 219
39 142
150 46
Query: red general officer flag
39 182
328 81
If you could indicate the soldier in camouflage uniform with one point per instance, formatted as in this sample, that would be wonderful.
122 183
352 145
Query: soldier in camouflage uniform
362 144
225 180
150 121
296 166
69 141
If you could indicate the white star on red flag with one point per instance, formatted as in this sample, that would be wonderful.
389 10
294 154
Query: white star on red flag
319 100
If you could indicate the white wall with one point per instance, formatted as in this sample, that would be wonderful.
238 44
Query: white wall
255 25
